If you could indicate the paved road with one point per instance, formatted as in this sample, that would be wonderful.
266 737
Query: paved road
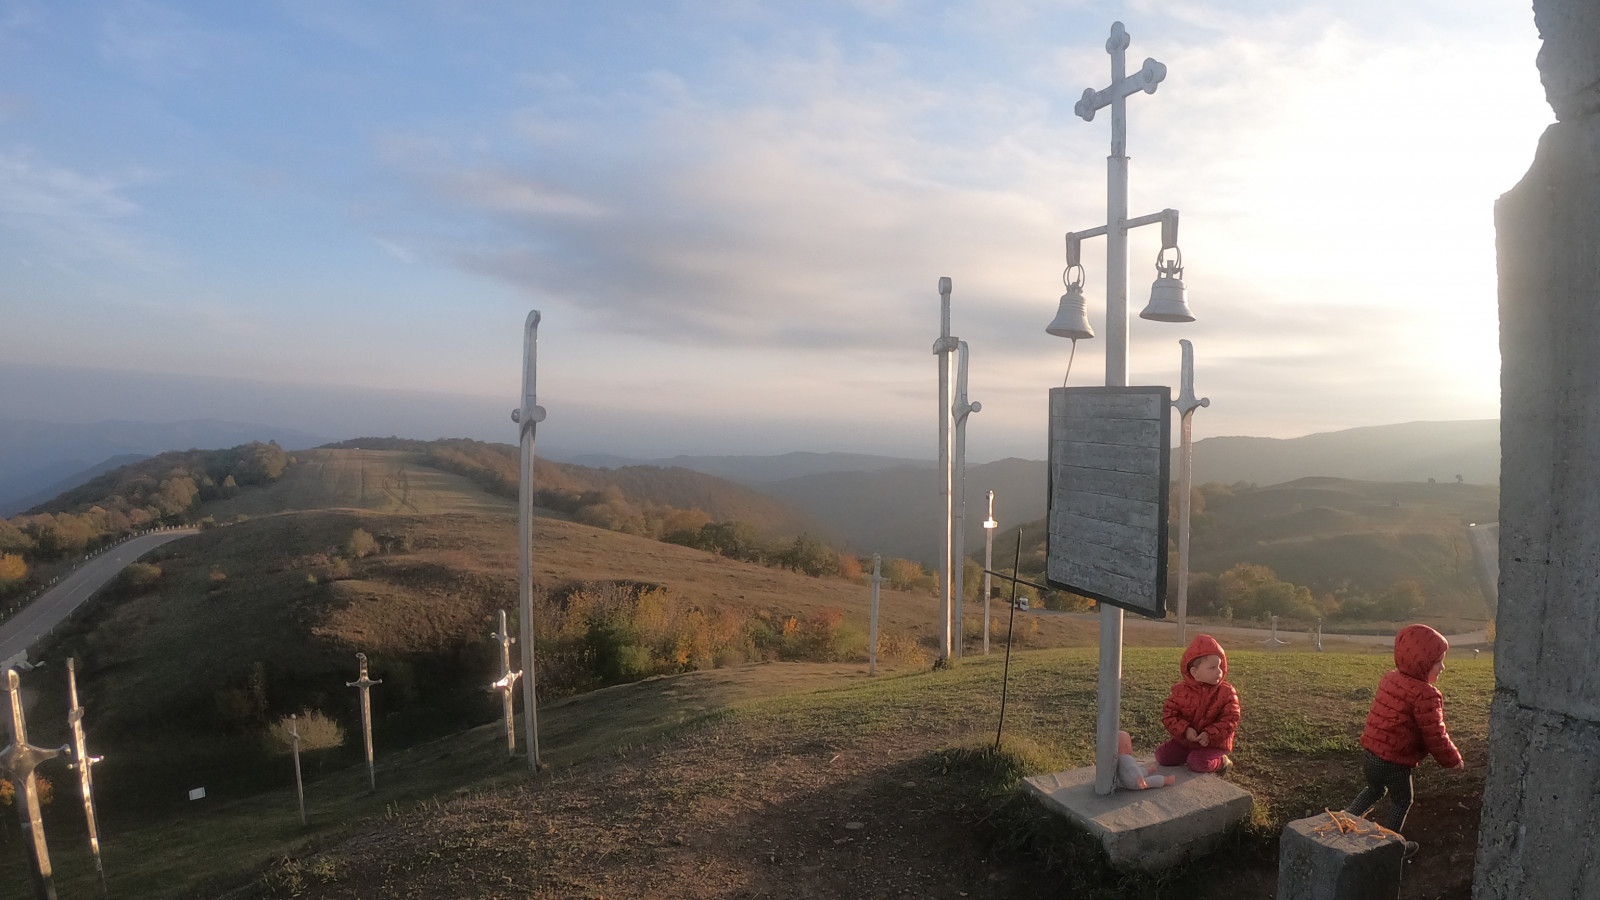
18 633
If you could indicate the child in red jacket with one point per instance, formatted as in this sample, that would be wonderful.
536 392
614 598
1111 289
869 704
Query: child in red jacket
1202 712
1405 725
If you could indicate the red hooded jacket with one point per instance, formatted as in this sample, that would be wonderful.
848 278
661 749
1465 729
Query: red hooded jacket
1211 708
1407 718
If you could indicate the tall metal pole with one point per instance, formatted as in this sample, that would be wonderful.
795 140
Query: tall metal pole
872 639
942 348
1110 675
1116 231
1186 404
958 553
528 416
988 563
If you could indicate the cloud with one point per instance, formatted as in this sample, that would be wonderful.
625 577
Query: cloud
802 199
74 216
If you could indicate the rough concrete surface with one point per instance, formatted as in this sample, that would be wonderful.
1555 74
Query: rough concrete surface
1150 829
1329 865
1541 804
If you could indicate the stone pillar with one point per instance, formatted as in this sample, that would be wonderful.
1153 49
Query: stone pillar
1317 860
1542 797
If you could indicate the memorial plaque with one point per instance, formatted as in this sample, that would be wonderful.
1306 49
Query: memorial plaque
1107 531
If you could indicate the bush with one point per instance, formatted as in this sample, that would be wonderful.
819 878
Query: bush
317 732
360 544
140 578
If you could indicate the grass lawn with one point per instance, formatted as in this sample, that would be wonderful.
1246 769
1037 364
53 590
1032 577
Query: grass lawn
806 780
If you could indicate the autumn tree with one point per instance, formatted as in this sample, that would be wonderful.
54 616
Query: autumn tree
13 570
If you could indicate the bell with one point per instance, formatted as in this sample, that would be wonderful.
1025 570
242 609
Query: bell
1169 300
1072 319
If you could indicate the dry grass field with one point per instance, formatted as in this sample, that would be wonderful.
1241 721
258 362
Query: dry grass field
386 481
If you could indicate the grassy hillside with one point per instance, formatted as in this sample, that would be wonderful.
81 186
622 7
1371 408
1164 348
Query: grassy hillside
630 491
1329 533
375 480
246 623
785 780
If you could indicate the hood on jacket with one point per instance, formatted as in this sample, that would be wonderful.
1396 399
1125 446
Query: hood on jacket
1204 645
1417 648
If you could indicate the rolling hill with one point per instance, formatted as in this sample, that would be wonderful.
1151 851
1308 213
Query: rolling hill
186 660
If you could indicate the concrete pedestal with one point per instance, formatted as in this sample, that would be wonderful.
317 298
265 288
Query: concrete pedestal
1151 829
1316 861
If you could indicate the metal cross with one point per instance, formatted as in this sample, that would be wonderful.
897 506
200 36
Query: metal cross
82 761
1146 79
364 685
1116 229
18 760
506 684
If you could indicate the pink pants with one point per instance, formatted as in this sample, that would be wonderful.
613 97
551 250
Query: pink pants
1199 759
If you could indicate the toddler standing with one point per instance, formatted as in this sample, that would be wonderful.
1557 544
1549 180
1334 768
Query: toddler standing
1405 725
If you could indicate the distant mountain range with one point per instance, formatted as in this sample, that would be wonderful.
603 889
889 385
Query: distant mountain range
757 470
39 460
891 505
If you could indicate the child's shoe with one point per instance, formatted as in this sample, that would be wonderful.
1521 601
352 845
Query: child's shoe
1227 763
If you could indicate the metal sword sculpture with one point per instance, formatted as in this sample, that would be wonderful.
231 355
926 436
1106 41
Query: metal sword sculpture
1186 404
294 748
528 416
506 684
18 760
364 685
82 761
960 410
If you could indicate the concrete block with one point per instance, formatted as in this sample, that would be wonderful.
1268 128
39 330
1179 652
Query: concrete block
1317 861
1151 829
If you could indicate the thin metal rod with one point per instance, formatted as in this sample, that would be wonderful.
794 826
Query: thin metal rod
299 786
989 526
1011 622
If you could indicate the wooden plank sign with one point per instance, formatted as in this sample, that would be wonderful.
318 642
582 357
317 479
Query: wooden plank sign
1107 536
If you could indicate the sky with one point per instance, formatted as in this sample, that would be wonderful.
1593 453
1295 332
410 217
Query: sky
733 215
